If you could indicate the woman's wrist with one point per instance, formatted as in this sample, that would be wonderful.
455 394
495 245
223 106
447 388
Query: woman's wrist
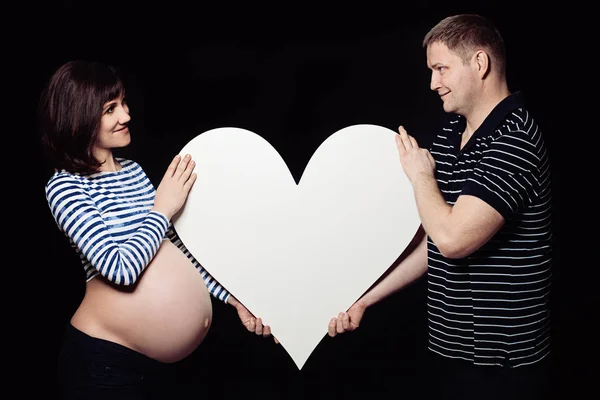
233 301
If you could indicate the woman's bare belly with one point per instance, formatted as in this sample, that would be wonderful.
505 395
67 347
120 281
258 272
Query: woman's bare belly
165 315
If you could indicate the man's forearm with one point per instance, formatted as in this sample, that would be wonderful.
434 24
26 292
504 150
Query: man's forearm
409 267
433 210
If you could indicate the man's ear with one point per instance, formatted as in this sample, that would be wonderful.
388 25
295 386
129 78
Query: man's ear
482 62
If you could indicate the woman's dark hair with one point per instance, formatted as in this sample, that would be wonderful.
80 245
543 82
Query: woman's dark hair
70 111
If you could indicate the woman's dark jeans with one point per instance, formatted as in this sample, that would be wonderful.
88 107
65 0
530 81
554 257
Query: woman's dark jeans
92 368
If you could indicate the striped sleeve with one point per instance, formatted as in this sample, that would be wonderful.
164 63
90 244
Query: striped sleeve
79 218
507 175
213 286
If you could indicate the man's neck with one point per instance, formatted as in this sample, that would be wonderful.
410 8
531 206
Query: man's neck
484 106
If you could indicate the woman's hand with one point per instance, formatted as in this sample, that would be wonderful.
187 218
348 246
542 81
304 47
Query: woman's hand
251 323
175 186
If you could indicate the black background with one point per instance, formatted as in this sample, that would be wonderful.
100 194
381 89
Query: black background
294 74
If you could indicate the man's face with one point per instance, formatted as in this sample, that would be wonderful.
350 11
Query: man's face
453 79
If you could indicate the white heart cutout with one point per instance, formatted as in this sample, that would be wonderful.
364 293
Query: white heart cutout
297 254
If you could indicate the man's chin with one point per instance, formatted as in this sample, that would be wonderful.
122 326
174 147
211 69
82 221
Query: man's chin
448 107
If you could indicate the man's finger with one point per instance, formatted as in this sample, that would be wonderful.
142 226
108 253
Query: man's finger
331 328
340 323
400 144
413 142
346 321
405 138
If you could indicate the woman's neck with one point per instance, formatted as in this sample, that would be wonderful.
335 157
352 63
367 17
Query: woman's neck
109 164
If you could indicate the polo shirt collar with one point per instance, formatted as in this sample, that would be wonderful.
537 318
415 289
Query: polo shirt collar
498 114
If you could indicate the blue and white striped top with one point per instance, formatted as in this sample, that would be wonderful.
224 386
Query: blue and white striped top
108 221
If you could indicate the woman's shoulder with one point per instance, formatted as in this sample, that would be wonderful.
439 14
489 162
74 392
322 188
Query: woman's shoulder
128 164
62 176
62 181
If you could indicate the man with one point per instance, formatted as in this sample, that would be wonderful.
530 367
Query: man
483 196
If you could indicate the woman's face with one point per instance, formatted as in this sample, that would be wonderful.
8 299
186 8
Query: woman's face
114 130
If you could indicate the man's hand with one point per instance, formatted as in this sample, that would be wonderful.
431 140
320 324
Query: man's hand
415 160
347 321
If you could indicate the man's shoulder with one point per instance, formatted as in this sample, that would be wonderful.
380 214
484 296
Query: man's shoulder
520 122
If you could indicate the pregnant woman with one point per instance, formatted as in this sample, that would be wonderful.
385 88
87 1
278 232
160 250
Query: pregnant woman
147 300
